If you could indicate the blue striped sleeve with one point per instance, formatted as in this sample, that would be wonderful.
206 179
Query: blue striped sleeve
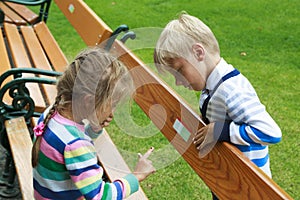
260 135
265 138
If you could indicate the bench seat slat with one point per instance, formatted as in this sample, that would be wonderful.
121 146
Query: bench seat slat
13 17
52 49
21 144
23 12
35 49
4 63
38 58
21 59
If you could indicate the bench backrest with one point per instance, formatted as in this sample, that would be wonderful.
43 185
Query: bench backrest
243 178
92 29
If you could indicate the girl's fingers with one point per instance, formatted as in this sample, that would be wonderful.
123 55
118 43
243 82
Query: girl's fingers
148 153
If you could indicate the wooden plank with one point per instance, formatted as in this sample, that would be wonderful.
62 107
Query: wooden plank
113 163
52 49
21 59
7 19
226 171
24 12
4 64
21 144
39 60
88 25
17 48
14 17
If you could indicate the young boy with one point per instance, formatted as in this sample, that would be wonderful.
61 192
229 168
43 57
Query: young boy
188 49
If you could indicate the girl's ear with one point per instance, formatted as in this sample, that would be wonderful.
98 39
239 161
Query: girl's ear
89 102
198 51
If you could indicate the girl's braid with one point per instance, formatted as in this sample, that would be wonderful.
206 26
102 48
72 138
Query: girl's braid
52 110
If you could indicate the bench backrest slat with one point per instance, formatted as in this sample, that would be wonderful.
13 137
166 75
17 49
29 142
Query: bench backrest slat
88 25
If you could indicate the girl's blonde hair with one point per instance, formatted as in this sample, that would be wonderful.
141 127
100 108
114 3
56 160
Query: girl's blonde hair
179 35
93 72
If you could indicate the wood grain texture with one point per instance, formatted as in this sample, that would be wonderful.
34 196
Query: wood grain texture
20 143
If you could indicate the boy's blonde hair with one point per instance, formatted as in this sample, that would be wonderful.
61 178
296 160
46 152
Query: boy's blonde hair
94 72
179 35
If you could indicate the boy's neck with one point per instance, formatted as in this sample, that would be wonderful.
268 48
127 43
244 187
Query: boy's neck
211 62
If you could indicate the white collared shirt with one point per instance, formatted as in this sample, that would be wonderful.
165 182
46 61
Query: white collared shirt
251 128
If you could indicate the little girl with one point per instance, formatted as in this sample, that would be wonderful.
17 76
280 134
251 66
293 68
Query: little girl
64 159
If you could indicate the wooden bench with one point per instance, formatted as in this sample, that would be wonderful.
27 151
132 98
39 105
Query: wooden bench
27 45
225 170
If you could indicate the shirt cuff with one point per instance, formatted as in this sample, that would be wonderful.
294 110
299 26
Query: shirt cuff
221 131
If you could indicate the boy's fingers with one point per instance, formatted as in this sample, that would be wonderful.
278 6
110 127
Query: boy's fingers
199 141
199 134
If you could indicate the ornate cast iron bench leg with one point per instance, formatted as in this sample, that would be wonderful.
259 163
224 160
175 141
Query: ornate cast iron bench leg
21 105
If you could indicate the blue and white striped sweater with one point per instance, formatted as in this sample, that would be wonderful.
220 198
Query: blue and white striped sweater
244 118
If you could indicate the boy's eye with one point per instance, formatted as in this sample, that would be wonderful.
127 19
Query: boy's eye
179 70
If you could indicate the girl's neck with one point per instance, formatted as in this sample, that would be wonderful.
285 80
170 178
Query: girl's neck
66 111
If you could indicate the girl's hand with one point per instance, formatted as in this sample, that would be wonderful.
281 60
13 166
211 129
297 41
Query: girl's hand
144 166
107 121
95 126
204 139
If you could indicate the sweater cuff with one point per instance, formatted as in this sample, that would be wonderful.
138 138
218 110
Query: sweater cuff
221 131
133 182
90 132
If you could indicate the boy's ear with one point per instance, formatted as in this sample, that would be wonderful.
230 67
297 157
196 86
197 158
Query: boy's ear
198 51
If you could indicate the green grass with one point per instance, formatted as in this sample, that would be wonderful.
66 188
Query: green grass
267 31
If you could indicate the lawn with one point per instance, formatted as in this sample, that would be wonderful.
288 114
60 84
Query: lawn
260 38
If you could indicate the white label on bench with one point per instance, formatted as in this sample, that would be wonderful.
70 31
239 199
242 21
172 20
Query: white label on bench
71 8
181 130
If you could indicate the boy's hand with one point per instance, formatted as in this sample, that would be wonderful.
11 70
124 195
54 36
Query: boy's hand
144 166
204 139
